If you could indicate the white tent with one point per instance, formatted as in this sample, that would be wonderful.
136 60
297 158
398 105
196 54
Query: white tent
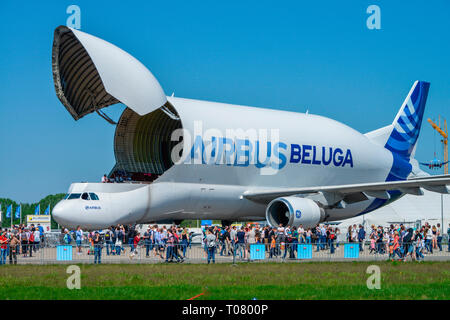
409 210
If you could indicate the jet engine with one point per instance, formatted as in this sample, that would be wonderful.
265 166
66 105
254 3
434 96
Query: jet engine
294 211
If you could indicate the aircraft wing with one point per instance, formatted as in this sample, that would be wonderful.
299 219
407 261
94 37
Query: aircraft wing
357 191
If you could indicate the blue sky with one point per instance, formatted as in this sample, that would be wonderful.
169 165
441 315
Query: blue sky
290 55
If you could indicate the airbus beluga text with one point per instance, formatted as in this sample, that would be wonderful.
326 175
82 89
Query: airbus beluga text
190 159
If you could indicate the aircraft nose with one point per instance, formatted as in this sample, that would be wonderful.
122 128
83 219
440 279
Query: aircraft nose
59 214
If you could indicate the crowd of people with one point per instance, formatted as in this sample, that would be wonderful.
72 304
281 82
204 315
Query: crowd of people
117 177
167 243
120 176
170 243
397 241
20 240
402 243
279 242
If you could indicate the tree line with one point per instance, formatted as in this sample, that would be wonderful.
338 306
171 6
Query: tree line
28 209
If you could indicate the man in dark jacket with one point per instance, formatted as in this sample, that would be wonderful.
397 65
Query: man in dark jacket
131 234
98 245
361 237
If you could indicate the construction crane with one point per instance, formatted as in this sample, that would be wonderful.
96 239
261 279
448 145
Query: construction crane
444 133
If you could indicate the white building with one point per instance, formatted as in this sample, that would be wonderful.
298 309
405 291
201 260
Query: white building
409 210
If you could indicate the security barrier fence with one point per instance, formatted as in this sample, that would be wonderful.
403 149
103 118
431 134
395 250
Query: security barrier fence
223 253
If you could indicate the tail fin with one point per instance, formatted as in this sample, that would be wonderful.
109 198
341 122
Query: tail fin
407 123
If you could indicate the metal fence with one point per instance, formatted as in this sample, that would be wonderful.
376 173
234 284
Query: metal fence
221 253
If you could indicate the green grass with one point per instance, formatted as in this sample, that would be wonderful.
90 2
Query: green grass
337 280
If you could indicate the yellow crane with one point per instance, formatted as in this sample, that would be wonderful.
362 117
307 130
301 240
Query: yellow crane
444 133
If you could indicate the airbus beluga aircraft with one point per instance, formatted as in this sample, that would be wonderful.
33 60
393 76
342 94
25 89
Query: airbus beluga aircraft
191 159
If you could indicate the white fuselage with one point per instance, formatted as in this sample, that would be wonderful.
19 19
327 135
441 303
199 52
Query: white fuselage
304 150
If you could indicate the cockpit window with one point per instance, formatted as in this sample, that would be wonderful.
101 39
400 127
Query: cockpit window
85 196
66 196
74 196
93 196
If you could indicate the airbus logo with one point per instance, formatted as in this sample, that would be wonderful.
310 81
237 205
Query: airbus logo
243 152
92 207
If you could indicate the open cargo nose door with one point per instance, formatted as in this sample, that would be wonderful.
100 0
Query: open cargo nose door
90 73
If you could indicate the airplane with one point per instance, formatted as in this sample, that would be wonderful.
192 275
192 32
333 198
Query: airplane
182 159
434 164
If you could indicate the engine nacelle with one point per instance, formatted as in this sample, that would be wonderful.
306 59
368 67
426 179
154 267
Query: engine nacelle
294 211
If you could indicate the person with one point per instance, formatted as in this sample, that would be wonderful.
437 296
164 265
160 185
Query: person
211 244
228 241
233 233
294 243
396 246
131 234
105 179
301 234
176 245
308 236
24 241
37 239
439 236
428 240
98 244
67 237
240 243
448 237
30 241
221 238
147 237
266 239
349 234
251 238
418 245
408 244
372 243
322 237
136 240
170 245
13 245
379 240
41 229
361 237
3 247
289 243
273 245
184 241
332 238
78 239
281 239
120 238
108 241
434 237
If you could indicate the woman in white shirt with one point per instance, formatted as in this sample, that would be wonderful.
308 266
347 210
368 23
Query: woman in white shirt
37 239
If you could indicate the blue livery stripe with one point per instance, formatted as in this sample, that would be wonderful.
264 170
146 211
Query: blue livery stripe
401 144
